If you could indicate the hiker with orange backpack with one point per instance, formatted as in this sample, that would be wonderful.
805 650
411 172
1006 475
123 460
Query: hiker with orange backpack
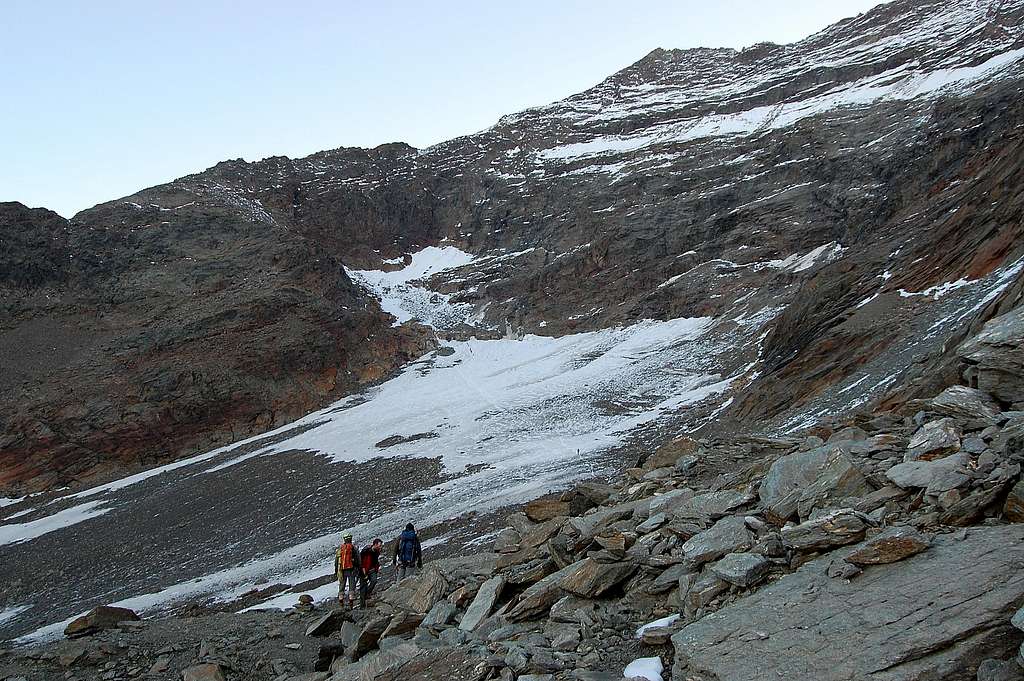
350 574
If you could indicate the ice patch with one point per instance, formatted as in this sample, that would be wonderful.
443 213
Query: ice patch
19 532
939 290
799 263
405 301
649 668
10 613
663 622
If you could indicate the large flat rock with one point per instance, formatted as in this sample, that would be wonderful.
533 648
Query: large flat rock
936 615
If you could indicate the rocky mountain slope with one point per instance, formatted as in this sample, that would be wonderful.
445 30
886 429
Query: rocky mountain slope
890 550
741 247
874 161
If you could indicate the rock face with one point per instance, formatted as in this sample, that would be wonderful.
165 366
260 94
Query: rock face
219 305
925 617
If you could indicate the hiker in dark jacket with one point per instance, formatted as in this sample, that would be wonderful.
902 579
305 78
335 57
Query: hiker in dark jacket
346 566
408 556
369 561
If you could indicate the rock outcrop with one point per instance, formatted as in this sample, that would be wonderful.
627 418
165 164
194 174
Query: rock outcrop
935 615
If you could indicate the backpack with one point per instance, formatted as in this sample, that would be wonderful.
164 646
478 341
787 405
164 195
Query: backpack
345 558
407 547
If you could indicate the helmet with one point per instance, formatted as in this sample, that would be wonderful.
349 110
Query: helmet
347 535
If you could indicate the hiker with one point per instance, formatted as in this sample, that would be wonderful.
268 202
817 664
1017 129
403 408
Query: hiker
369 562
407 555
346 566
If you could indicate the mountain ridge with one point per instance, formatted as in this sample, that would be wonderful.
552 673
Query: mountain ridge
671 187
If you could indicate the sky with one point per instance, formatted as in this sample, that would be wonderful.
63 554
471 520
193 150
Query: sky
104 98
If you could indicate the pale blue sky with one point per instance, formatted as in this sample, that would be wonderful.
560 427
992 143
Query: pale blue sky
103 98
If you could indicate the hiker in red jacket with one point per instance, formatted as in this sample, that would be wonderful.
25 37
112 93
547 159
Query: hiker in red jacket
369 561
346 567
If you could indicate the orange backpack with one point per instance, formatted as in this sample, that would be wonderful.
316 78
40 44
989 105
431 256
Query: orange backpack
346 557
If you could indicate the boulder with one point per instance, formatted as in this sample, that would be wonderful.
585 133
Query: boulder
728 535
507 541
848 434
837 480
912 474
711 505
668 579
933 440
595 523
994 359
589 578
570 609
203 672
349 632
368 636
931 616
538 598
971 508
742 569
419 593
1000 670
652 523
483 603
587 495
99 618
973 445
869 502
531 572
1013 508
540 510
686 463
402 623
670 452
669 501
787 478
461 597
837 528
657 636
558 548
531 540
975 408
439 616
616 542
889 546
704 590
324 625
